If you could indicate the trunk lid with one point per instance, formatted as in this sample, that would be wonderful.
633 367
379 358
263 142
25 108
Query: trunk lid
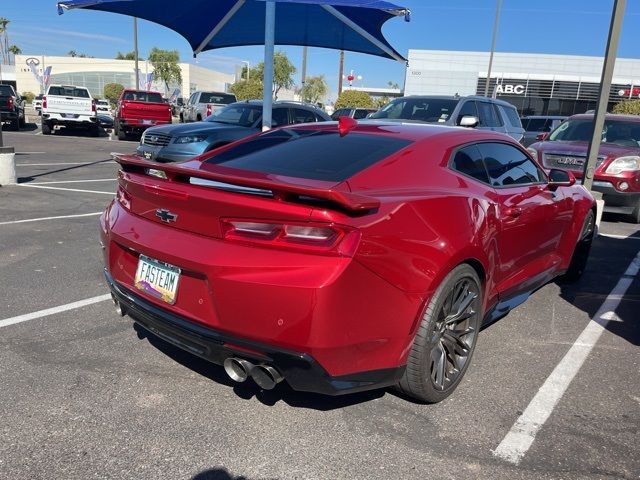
133 110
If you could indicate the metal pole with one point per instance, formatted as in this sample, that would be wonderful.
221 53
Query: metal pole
135 50
269 40
493 46
1 144
304 65
605 89
340 72
43 87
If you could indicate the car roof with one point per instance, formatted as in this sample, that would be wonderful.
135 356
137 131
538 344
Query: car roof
285 103
459 97
608 116
552 117
410 131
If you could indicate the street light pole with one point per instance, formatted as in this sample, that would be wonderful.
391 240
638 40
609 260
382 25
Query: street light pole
605 89
340 72
269 40
135 50
303 77
496 22
248 68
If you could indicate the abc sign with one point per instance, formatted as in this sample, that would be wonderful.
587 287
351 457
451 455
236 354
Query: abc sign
512 89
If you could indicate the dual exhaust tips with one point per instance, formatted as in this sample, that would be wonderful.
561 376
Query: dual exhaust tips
239 370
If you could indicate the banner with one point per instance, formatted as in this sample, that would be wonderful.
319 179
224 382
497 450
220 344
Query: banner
33 66
174 96
149 81
46 77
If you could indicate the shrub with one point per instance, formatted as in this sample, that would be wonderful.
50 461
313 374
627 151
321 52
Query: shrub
247 89
29 96
112 92
628 107
353 99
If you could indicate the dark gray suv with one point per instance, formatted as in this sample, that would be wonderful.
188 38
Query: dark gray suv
473 111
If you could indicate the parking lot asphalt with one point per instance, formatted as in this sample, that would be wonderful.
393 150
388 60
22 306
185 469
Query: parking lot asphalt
85 395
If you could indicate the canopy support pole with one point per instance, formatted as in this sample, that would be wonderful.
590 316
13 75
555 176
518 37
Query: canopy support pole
269 40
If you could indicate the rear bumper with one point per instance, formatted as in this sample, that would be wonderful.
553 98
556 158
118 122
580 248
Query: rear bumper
135 125
59 119
301 371
7 116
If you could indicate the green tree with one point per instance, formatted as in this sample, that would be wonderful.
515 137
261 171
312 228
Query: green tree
15 50
165 66
128 56
28 96
247 89
627 107
353 99
314 89
112 92
283 71
72 53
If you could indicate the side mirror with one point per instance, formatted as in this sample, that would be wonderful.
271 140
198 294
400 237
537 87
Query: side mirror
23 98
469 121
542 136
560 178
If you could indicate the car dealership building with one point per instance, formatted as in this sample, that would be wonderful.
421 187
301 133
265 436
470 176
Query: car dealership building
537 84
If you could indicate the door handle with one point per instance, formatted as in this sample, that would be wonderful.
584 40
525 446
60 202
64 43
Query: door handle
513 212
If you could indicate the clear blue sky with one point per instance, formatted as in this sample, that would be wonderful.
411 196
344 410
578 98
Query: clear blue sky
577 27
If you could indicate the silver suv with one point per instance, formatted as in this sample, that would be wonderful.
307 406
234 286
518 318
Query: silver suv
473 111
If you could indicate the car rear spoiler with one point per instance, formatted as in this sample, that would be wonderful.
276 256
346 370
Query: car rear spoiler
349 201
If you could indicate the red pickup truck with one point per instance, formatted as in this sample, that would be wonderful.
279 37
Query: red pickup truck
138 110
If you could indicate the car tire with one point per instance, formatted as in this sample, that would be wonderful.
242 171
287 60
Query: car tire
15 124
122 135
94 131
199 118
635 215
446 338
46 129
581 252
22 122
181 118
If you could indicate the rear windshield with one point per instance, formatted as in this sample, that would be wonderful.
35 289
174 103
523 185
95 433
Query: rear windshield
620 132
150 97
6 90
429 110
312 154
218 98
69 92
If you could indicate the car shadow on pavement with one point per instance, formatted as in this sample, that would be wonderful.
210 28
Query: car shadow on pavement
609 260
248 389
217 474
30 178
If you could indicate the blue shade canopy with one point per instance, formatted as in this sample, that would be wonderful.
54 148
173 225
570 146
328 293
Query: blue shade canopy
352 25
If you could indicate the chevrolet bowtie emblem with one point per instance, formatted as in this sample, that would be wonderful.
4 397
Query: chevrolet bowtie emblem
166 216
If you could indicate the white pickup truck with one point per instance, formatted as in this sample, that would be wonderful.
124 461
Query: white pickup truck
69 106
203 104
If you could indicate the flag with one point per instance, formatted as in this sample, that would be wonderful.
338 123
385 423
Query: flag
34 71
174 96
46 77
149 81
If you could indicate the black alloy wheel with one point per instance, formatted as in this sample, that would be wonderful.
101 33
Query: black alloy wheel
446 338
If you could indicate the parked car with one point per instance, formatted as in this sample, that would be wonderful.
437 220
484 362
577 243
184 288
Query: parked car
177 106
103 107
617 174
338 256
481 112
175 143
357 113
69 106
203 104
11 107
36 103
105 121
138 110
535 125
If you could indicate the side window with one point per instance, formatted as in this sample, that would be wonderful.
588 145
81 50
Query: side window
468 108
319 118
192 99
488 115
496 111
360 113
468 160
338 113
301 115
279 116
508 166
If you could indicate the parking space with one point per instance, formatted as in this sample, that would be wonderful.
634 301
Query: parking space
86 395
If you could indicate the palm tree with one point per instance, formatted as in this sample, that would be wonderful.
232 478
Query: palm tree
4 39
15 50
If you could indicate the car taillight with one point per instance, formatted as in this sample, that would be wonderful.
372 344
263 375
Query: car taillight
313 238
10 103
44 102
124 198
208 110
93 106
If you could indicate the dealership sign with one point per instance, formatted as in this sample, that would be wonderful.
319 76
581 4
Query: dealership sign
510 89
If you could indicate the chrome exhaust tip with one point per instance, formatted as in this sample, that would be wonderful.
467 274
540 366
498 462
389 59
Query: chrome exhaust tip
266 376
238 369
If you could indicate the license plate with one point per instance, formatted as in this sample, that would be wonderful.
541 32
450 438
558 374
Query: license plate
148 122
157 278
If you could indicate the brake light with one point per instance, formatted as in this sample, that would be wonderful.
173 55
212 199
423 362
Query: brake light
124 198
208 110
313 238
44 102
93 106
10 103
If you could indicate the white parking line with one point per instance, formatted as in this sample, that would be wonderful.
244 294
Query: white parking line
66 189
63 163
51 218
519 439
30 153
51 311
624 237
74 181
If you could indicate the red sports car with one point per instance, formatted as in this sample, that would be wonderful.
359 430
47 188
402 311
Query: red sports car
341 257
